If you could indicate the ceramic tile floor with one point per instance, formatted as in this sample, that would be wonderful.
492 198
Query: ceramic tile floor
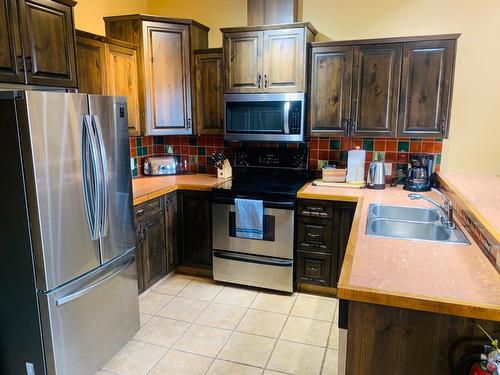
193 326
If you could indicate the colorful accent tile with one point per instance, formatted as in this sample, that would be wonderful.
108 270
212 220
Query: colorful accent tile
335 144
403 146
368 144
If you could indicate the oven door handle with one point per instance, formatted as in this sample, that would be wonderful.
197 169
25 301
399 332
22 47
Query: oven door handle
254 259
287 205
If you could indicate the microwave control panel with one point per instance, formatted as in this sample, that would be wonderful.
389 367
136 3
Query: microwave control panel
294 119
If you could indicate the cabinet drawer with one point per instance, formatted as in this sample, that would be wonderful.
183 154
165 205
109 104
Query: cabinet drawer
315 208
315 234
314 268
148 209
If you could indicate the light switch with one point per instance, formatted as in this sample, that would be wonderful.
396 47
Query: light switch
388 169
132 164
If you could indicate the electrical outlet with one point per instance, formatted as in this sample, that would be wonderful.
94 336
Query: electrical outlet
388 169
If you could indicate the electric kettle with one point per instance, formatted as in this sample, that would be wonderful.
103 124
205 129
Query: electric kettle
376 175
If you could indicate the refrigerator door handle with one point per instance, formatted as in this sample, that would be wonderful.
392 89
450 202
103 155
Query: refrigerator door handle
104 191
90 177
70 297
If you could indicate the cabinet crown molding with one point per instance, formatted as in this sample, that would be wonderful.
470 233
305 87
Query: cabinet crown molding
149 17
399 39
270 27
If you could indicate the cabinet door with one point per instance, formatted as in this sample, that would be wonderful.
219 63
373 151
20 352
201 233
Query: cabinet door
122 76
196 228
209 93
171 230
11 59
243 61
314 268
91 62
427 80
48 42
375 90
139 257
153 249
168 93
330 98
283 60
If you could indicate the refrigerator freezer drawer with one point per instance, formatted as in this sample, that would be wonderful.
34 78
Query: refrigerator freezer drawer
265 272
84 326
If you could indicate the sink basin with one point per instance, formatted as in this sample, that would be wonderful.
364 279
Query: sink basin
409 229
404 213
411 223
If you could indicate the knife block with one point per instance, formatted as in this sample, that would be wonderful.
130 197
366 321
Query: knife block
226 171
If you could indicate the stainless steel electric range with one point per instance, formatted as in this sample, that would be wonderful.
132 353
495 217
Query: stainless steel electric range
273 175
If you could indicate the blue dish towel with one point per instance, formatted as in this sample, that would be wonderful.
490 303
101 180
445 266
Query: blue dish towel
249 218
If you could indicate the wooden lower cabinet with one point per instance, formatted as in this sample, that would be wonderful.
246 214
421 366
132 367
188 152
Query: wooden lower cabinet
389 340
195 213
322 232
314 268
156 227
171 230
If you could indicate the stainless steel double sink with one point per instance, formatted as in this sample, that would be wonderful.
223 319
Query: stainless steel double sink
411 223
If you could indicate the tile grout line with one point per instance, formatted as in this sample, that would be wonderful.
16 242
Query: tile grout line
229 337
279 335
170 347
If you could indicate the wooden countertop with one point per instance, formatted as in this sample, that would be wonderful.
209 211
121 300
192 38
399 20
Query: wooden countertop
481 193
443 278
150 187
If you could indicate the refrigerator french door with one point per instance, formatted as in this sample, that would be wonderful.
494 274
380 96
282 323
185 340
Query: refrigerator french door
78 197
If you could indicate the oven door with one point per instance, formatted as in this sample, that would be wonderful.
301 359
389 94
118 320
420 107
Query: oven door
278 230
264 117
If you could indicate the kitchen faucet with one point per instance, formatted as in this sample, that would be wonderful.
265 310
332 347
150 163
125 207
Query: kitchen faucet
447 209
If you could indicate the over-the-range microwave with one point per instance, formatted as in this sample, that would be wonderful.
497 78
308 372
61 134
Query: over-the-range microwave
275 117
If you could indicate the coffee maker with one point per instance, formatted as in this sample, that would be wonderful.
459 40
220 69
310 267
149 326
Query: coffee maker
421 173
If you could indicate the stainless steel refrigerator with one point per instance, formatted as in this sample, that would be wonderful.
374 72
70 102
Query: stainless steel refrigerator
68 283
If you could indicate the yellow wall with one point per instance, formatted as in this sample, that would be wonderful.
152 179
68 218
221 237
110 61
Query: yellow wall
475 122
89 13
212 13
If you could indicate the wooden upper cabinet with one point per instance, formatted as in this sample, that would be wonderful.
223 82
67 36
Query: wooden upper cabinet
242 53
266 58
91 62
109 67
283 60
166 67
375 90
209 91
48 42
11 58
330 93
427 80
122 80
167 73
382 87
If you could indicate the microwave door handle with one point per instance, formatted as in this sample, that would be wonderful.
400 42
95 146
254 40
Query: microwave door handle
286 117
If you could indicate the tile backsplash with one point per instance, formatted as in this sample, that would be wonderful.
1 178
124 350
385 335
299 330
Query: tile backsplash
333 150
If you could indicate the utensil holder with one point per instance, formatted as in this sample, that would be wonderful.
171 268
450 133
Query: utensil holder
226 171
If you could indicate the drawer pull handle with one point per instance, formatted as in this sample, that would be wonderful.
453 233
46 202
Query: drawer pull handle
313 235
139 213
